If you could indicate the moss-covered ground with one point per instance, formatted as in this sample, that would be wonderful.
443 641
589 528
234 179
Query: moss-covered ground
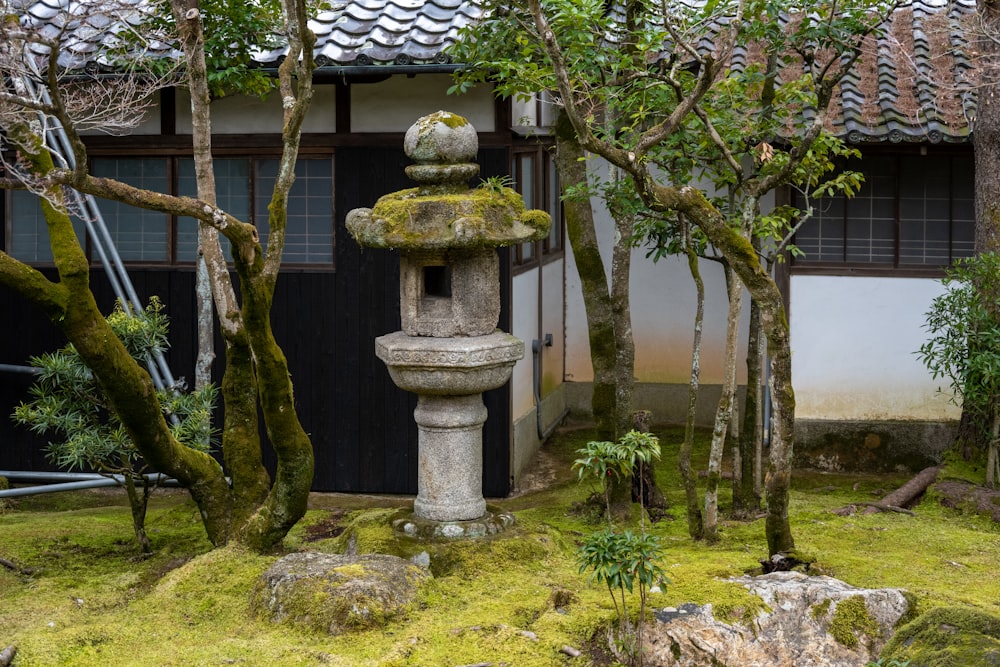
514 600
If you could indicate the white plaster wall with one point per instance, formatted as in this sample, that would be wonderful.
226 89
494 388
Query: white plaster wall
663 304
524 113
524 325
394 104
250 115
853 344
553 321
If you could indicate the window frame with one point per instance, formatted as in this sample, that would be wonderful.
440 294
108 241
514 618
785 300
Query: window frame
544 186
955 155
173 159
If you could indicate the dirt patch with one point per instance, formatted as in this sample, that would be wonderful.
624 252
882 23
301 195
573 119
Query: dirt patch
326 528
965 496
542 473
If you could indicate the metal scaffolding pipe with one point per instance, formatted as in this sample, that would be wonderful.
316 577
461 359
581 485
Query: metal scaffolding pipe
95 482
10 368
35 476
101 239
56 488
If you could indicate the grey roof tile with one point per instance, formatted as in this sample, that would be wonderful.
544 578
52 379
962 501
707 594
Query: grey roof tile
914 83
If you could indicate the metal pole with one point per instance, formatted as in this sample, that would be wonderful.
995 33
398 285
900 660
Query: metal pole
95 482
10 368
103 243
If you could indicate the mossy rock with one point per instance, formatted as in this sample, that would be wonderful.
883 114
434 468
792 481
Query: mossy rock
947 637
337 593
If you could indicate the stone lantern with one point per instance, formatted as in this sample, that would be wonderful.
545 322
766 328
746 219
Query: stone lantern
450 350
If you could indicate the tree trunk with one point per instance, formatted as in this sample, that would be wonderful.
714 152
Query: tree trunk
725 409
905 495
256 368
571 164
138 503
206 325
695 521
986 138
70 305
746 263
746 502
624 366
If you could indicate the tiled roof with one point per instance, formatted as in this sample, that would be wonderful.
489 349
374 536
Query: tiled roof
911 84
400 32
352 32
915 82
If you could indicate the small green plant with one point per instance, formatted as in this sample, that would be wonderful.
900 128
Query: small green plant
622 561
964 344
69 403
601 461
496 184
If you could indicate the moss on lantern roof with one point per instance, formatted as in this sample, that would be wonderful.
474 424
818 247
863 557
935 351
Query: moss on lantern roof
481 217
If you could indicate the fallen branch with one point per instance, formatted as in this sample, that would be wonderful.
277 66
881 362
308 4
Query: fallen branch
872 507
900 499
908 494
26 571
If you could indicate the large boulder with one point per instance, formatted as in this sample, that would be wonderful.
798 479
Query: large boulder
337 593
804 621
947 637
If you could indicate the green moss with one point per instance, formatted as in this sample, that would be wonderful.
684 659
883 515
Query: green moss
947 637
177 608
819 611
851 620
536 219
489 217
451 120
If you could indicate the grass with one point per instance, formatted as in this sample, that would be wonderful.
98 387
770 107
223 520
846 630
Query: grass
92 601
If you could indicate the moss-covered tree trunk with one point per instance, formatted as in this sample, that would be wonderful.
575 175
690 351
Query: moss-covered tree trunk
696 526
251 511
745 499
724 412
70 305
254 359
740 254
609 322
974 433
571 164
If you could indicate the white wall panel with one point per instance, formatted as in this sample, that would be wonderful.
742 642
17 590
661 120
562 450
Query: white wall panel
853 344
249 115
396 103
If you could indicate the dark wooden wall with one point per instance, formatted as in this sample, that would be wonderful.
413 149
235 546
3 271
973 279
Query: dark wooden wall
361 425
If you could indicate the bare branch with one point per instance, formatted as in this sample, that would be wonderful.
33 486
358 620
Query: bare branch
295 86
719 142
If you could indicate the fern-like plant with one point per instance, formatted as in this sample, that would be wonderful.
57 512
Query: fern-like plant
624 561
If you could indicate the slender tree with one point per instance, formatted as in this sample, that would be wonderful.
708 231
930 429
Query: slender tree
251 509
673 86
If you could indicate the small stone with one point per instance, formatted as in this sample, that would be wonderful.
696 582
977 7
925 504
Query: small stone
441 138
570 651
451 530
423 559
529 634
